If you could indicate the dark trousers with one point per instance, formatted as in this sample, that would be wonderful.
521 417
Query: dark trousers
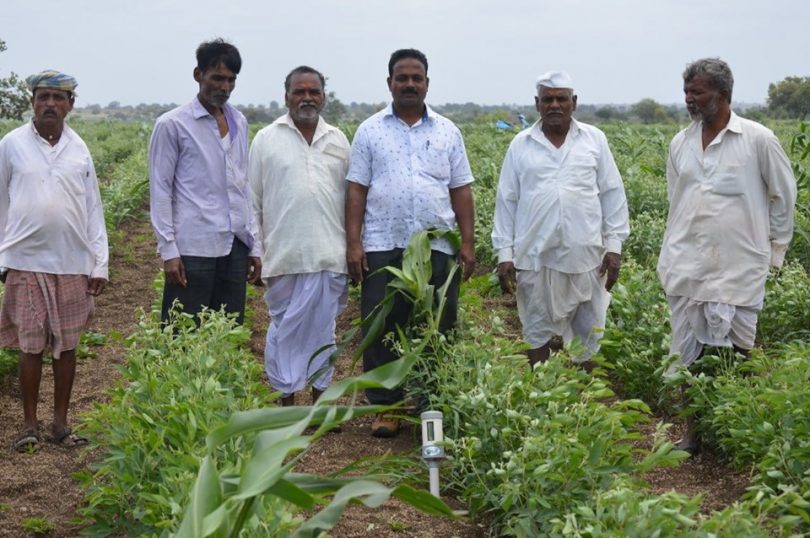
372 293
212 282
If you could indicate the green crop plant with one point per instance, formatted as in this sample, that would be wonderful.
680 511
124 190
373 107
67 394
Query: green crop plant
226 502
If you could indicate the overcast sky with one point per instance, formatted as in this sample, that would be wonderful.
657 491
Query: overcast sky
486 52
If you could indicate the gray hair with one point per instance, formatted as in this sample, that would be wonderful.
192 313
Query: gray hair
716 70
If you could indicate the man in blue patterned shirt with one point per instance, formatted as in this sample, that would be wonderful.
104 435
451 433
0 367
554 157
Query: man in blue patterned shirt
408 172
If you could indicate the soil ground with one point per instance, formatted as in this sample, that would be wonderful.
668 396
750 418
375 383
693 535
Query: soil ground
41 484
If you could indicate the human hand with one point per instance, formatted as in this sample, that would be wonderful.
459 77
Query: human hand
175 272
357 262
466 259
95 286
611 264
507 277
254 274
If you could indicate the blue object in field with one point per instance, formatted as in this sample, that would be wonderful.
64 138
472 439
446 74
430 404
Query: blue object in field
503 125
522 119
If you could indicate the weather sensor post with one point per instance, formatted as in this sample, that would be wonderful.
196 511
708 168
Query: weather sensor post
432 451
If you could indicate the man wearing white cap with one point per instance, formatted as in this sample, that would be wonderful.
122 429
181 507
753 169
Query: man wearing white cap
53 249
560 219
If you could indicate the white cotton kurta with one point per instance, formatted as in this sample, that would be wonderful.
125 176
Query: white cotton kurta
299 193
303 309
51 220
561 208
730 216
298 196
557 211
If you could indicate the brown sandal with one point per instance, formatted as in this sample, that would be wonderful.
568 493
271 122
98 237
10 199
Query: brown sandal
28 441
68 439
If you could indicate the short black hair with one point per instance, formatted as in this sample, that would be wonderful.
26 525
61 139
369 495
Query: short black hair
401 54
300 70
210 54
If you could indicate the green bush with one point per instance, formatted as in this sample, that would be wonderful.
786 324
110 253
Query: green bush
174 390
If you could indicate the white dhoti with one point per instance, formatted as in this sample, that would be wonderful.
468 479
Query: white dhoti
554 303
696 324
303 308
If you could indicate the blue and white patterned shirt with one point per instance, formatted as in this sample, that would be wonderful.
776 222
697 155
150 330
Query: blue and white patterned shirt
409 172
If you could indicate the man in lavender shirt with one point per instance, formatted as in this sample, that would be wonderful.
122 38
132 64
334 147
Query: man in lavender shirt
199 197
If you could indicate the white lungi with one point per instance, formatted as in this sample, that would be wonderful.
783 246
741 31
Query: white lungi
302 308
554 303
697 323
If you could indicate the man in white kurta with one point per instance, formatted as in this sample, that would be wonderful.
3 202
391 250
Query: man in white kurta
731 194
731 201
297 167
53 249
560 220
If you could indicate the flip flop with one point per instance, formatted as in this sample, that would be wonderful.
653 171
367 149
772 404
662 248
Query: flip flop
693 448
28 441
68 439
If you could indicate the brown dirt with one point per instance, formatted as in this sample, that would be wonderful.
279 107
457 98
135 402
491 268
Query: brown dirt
41 484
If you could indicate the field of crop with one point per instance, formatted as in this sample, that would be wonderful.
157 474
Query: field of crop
189 440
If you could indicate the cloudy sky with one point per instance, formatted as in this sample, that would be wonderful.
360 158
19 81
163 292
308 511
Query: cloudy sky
487 52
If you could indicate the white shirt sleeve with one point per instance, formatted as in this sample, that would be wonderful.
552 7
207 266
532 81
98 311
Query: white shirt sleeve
778 176
96 228
506 201
615 218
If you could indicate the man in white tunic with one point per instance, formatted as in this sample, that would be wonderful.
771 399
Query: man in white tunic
53 249
560 220
731 194
296 170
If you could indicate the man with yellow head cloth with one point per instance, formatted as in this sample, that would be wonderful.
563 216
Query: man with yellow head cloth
53 249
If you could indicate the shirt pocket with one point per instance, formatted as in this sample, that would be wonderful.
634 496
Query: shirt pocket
579 173
72 175
336 159
435 161
729 180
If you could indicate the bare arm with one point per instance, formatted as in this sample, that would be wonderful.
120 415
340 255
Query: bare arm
461 199
355 214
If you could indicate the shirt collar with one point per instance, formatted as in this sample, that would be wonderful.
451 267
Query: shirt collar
537 129
428 114
321 129
199 111
734 123
67 133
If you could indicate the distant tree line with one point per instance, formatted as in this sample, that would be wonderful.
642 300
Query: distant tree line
789 98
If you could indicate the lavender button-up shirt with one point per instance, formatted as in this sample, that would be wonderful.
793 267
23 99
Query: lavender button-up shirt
199 196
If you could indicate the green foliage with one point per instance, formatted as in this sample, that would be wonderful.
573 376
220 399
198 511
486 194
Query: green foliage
15 99
786 314
650 111
762 420
38 526
637 337
625 511
174 391
226 503
790 95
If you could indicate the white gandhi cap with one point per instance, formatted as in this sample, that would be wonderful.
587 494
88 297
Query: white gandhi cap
555 79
